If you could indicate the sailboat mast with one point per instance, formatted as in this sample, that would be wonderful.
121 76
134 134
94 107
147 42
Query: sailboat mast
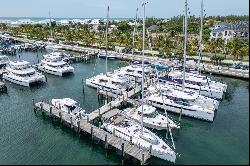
133 49
200 41
143 44
185 47
50 24
107 24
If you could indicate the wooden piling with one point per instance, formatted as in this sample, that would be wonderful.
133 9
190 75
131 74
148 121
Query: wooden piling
142 162
71 122
91 132
79 126
106 141
122 146
60 115
180 115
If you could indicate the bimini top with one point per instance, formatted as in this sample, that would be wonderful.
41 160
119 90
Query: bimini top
68 101
19 63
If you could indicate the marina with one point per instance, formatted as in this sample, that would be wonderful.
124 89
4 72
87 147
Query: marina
82 126
127 92
210 69
235 88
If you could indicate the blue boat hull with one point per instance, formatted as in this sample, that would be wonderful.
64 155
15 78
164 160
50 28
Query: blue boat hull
108 57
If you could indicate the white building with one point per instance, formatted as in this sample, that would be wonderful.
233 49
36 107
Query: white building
229 31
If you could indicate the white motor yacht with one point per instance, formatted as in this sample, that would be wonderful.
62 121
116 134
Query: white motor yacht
151 118
109 82
135 72
4 60
69 106
53 64
21 72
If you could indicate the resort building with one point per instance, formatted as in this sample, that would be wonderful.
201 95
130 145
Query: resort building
230 31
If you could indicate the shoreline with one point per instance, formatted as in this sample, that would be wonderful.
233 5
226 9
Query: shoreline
210 68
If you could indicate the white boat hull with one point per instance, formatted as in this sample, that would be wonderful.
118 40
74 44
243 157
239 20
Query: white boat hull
55 72
24 82
194 113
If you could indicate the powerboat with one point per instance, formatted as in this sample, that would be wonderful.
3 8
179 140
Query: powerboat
21 73
114 83
69 106
54 64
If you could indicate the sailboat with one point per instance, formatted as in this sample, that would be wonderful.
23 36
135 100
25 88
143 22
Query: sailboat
101 55
50 44
130 130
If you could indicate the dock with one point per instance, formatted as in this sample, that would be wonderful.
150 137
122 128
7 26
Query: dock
82 126
115 103
224 71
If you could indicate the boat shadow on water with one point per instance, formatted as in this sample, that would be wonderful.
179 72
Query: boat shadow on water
68 75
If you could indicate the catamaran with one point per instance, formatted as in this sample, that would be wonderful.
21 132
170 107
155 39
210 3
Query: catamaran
130 130
114 83
200 84
21 73
151 117
186 102
53 64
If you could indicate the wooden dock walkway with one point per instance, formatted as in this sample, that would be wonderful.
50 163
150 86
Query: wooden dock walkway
115 103
118 100
82 125
225 71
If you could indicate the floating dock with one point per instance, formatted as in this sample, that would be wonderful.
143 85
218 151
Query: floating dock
82 126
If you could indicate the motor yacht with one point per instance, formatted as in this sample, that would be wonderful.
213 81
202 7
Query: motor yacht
21 73
54 64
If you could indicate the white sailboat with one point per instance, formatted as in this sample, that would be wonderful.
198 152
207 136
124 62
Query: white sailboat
50 43
182 101
151 117
127 129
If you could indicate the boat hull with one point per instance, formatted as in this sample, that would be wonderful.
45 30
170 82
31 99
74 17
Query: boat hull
190 113
109 57
23 83
57 73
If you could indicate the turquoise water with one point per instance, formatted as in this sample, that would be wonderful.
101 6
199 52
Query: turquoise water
26 138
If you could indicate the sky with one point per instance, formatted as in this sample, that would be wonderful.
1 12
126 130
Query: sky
118 8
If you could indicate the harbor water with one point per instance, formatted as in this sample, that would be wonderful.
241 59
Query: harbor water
27 138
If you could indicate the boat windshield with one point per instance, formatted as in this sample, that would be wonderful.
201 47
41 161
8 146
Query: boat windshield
182 102
71 107
151 115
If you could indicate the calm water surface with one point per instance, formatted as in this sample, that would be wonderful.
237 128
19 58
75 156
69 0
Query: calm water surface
26 138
